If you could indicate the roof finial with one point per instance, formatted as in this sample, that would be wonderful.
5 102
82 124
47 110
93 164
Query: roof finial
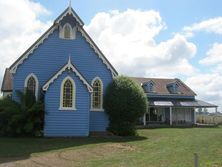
69 61
70 3
70 6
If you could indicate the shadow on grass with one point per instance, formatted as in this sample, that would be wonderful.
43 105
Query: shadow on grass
13 149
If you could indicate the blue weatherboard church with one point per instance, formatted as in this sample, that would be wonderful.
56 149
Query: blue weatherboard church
69 69
66 66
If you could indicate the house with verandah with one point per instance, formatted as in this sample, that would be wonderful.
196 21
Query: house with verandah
68 69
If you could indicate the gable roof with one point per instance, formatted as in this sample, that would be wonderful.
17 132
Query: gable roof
92 44
7 81
31 49
98 51
68 66
70 11
160 87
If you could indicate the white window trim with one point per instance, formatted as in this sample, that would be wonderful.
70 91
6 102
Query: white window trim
36 81
97 109
62 32
73 95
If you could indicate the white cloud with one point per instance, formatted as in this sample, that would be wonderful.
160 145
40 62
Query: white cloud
128 40
20 27
208 87
214 57
213 25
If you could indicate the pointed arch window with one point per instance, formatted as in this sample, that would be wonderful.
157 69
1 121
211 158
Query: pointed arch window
67 95
67 31
31 84
97 94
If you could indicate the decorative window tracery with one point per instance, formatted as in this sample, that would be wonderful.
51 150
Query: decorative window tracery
97 94
67 94
31 84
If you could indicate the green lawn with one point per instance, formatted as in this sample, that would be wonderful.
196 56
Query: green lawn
169 147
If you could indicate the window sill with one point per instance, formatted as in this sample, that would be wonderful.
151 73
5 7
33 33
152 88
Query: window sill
67 108
97 109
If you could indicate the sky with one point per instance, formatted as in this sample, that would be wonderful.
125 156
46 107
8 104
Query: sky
144 38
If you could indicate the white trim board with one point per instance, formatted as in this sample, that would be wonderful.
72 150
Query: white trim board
68 66
69 11
21 59
97 51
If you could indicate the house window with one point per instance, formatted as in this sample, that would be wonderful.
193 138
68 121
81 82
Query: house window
67 31
31 84
67 95
148 87
97 94
173 88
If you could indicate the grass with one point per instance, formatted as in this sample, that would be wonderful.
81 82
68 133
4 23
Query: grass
167 147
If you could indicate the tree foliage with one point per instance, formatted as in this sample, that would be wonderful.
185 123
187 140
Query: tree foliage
21 118
124 102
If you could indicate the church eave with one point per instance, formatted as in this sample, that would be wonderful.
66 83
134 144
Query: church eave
68 66
30 50
69 10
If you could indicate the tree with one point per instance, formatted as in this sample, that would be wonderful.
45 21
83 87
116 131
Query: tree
124 102
25 117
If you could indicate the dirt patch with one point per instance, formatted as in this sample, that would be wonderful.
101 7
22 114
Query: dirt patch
77 157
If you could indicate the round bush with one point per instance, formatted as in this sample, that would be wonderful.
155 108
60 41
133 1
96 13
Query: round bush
124 102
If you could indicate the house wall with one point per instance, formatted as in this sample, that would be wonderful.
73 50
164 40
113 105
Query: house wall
65 122
183 114
98 121
167 114
53 54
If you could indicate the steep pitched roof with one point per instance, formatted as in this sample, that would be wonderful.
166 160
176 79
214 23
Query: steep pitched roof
68 66
69 10
31 49
160 87
7 81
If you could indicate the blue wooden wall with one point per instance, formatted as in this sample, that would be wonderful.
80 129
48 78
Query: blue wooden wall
53 54
63 122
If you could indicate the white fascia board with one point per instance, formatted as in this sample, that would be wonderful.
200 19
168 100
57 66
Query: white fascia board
70 66
13 69
97 51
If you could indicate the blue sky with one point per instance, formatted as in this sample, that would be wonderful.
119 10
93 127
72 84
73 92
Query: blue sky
176 14
150 38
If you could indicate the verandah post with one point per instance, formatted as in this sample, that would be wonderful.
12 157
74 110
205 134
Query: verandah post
171 116
144 119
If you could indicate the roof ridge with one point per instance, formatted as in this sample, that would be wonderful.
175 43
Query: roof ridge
154 78
69 10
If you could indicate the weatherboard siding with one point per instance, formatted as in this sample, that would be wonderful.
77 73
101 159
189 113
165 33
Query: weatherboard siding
50 57
66 122
98 121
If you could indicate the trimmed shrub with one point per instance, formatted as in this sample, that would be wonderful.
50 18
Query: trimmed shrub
21 118
124 102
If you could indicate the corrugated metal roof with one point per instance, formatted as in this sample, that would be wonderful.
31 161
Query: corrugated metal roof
160 87
181 103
